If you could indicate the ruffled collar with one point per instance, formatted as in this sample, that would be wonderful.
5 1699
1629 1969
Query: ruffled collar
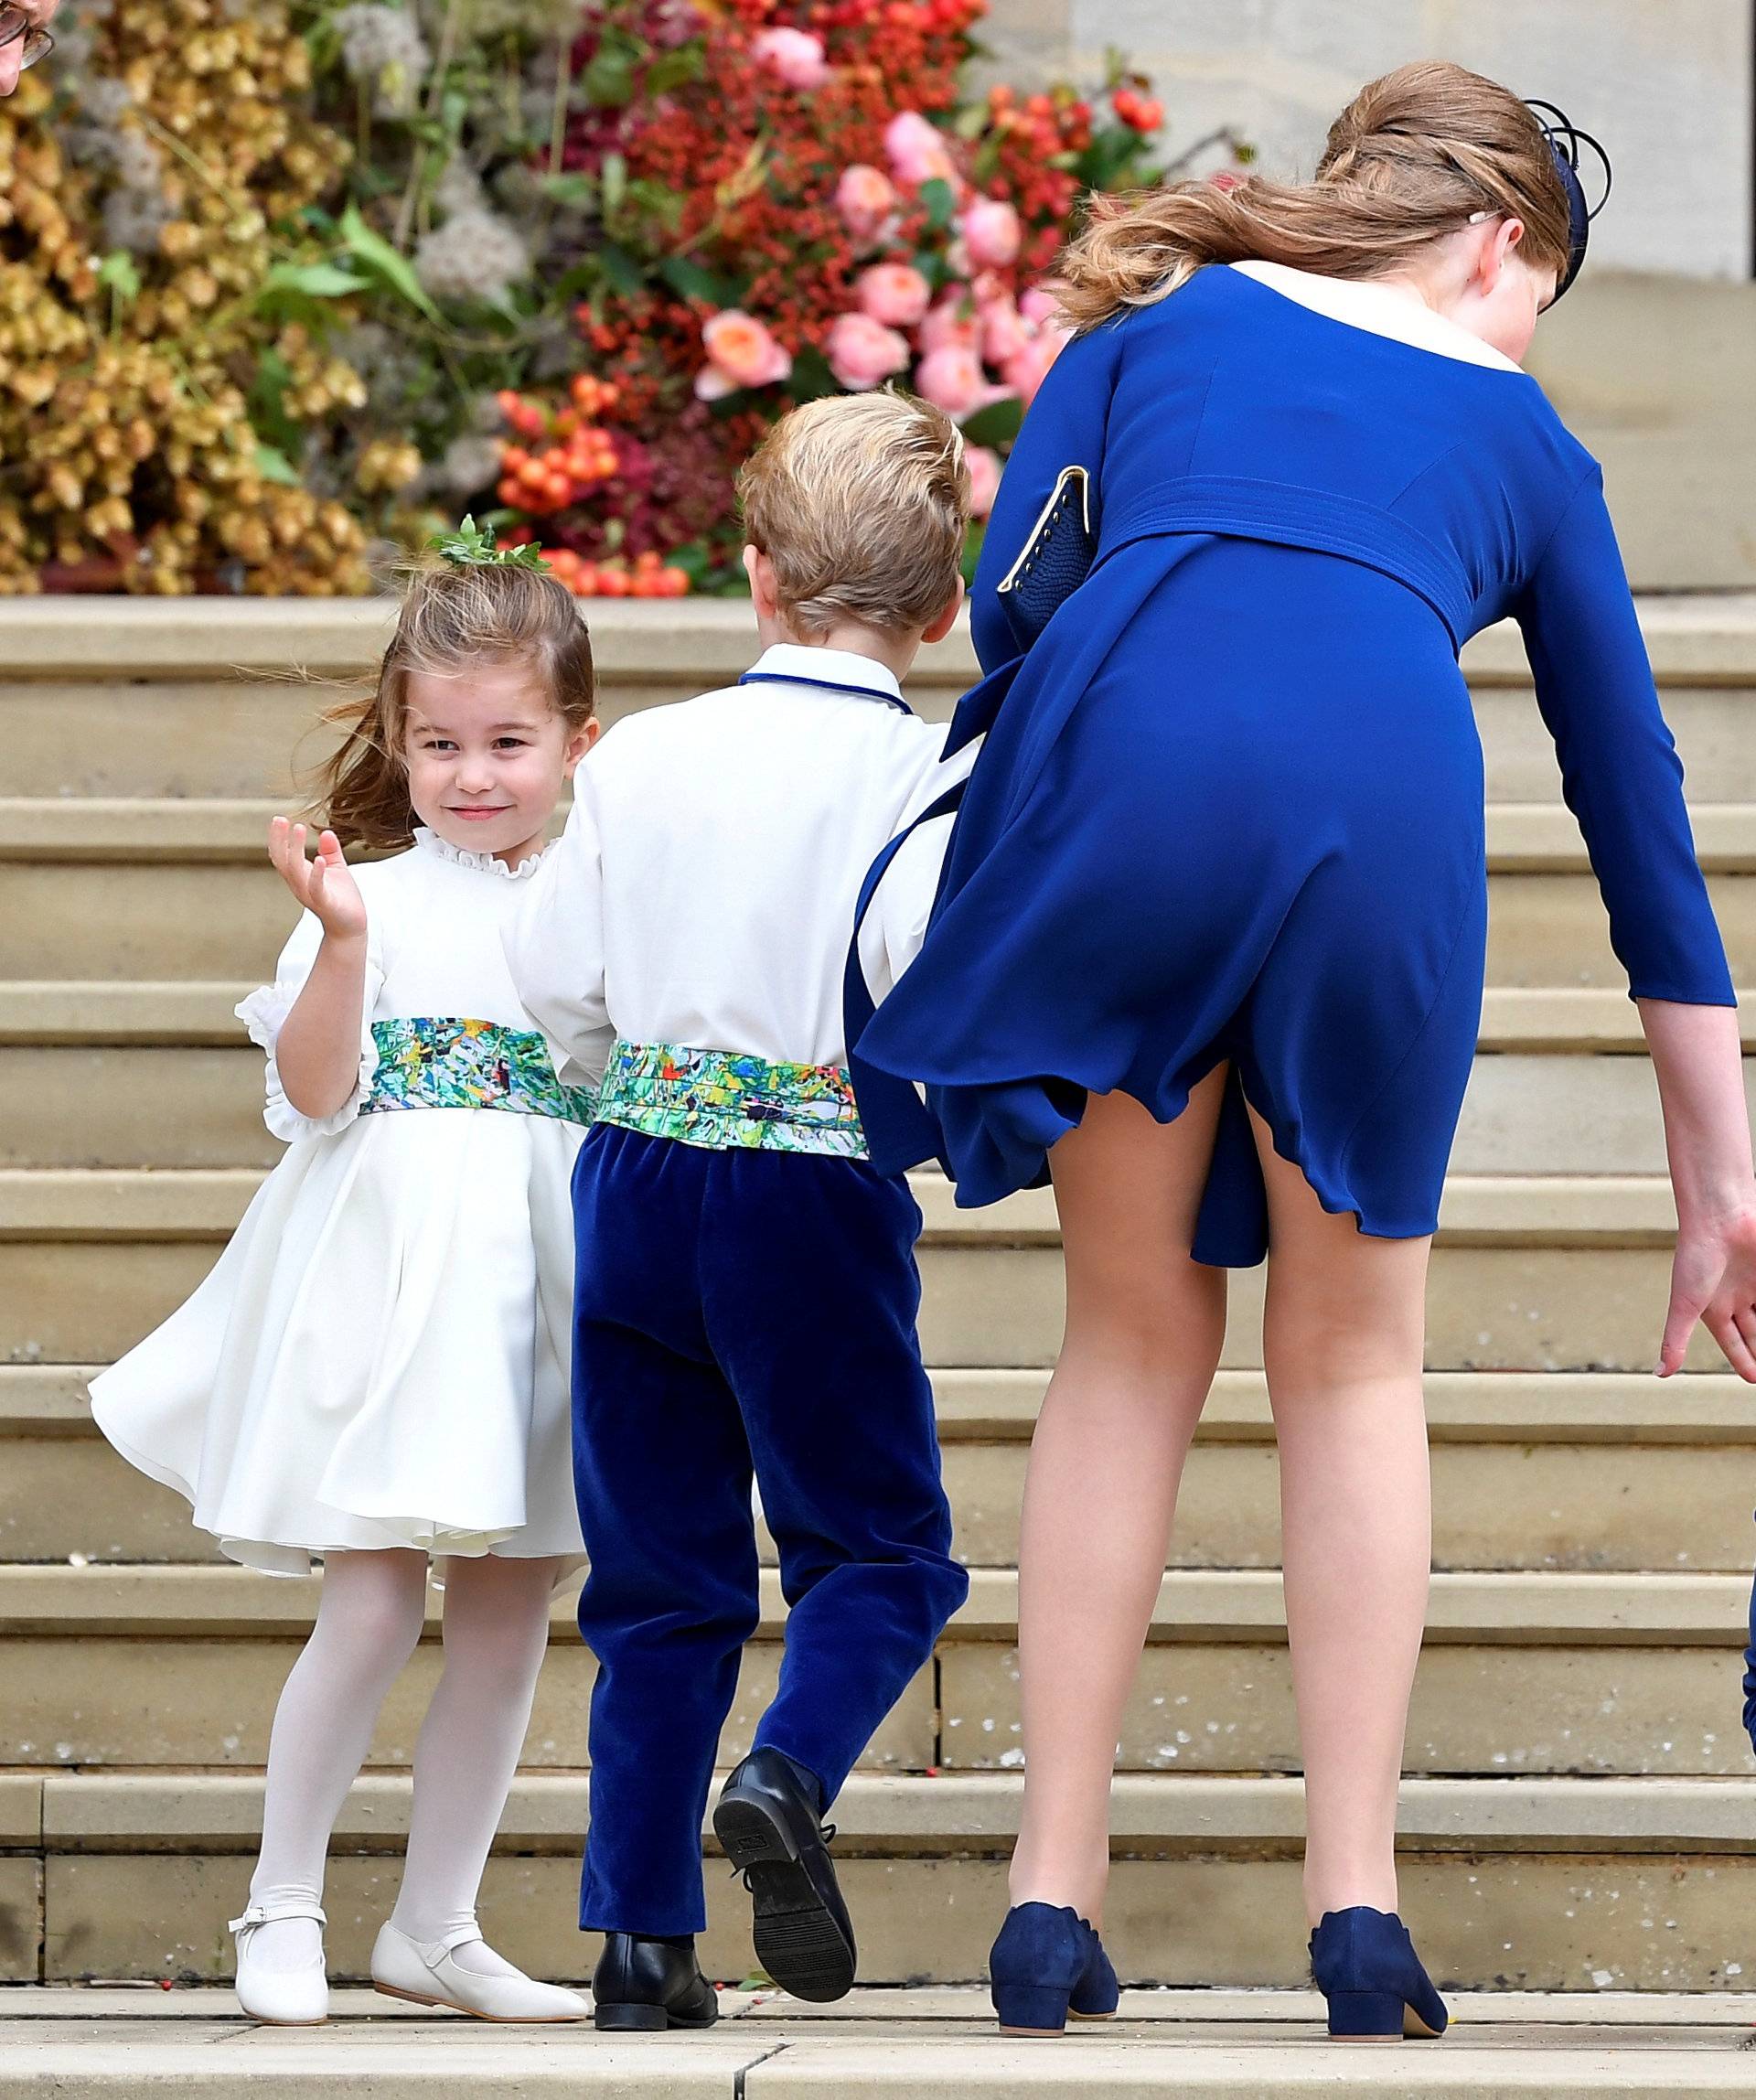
1357 302
429 842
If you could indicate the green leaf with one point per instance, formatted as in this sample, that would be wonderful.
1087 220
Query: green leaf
471 546
676 69
811 377
615 182
375 254
941 202
573 192
273 465
976 533
621 272
996 425
689 281
607 81
121 274
313 280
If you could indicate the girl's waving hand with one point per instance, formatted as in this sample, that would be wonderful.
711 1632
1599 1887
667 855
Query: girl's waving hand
324 886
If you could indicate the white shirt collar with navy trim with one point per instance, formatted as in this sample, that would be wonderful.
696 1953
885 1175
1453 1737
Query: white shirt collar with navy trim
841 671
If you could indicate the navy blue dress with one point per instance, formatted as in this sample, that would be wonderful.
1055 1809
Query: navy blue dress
1230 803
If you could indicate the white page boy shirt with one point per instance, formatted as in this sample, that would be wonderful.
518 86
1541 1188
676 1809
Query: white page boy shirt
703 892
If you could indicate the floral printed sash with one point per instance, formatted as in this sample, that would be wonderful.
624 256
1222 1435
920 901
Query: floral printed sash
445 1063
725 1101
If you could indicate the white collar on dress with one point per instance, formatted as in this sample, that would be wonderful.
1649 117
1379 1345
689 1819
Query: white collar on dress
483 863
1359 304
798 663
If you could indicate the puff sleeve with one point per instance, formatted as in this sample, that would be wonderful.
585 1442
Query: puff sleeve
554 945
265 1013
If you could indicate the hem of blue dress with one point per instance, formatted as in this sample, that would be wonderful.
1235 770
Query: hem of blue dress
1331 1196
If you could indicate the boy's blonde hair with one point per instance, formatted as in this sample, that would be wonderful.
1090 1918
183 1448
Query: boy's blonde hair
860 502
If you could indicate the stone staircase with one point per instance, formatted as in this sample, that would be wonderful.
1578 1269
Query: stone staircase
1579 1813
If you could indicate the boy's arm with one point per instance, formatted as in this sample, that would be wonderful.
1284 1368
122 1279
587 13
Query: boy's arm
554 947
896 925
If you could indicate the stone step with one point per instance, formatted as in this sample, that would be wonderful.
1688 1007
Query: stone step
1532 1272
203 700
1553 1471
1524 1673
933 2044
230 832
104 1012
108 1103
191 918
1631 1884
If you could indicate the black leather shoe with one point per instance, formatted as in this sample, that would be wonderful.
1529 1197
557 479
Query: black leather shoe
645 1984
772 1833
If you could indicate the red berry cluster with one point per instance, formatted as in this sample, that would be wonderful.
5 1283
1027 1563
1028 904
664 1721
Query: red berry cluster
1140 113
577 453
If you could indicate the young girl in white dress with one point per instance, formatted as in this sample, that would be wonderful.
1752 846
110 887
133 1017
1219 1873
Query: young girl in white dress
376 1371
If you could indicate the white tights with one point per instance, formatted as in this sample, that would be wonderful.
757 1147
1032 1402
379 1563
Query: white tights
368 1621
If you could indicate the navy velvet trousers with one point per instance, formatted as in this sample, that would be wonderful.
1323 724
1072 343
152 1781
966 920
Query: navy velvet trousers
741 1312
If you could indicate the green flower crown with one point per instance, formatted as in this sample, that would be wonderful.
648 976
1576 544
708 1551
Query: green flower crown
471 546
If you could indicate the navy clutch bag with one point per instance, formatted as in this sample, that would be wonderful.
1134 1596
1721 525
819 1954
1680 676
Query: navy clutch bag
1055 559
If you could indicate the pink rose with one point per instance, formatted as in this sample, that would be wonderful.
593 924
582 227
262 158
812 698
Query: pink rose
917 150
863 353
1026 369
952 379
984 479
865 197
950 323
1005 331
1038 304
991 233
894 293
741 353
794 54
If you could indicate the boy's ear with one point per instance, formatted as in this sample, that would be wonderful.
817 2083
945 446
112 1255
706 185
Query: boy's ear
943 624
761 573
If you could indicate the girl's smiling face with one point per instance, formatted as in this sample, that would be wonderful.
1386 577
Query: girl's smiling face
487 756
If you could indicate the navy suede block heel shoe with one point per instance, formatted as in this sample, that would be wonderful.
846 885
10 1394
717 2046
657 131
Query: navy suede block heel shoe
1048 1965
1365 1965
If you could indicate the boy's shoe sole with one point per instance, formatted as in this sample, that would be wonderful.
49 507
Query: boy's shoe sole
799 1942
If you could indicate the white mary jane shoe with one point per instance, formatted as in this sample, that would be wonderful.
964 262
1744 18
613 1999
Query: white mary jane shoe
281 1997
423 1972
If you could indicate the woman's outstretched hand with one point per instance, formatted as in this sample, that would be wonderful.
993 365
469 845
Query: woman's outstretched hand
1713 1280
1698 1056
324 886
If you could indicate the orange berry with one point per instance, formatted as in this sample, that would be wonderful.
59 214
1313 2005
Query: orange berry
675 580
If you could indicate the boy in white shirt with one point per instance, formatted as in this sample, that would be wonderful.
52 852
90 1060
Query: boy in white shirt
747 1291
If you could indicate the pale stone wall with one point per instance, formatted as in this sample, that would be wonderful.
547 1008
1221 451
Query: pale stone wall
1666 83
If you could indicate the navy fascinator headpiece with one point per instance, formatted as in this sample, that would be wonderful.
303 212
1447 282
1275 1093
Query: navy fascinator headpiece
1570 145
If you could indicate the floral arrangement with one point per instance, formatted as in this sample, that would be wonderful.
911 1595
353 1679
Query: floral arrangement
286 281
793 200
141 240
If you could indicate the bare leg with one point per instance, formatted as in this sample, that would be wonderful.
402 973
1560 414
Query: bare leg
1144 1328
497 1629
1342 1336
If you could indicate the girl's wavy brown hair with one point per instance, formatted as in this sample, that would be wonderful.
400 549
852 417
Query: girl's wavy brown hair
453 615
1412 157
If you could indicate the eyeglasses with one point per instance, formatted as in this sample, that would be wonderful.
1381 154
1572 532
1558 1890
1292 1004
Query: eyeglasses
15 24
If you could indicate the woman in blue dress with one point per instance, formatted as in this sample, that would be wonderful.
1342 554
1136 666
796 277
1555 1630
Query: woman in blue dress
1209 947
